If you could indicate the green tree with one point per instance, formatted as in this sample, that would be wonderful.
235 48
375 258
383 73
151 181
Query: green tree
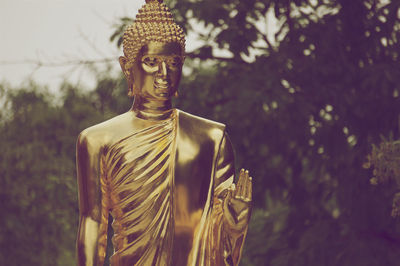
37 167
302 113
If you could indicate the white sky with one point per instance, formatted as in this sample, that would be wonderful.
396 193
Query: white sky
55 31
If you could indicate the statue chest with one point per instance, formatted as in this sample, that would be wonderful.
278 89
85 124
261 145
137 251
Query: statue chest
194 162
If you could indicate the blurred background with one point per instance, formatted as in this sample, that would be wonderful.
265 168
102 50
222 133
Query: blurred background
309 90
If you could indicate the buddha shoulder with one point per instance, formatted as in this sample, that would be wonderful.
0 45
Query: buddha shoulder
104 133
195 125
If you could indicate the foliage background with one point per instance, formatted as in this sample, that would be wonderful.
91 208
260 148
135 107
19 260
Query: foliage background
303 108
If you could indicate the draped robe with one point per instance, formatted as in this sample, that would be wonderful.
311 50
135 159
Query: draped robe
164 186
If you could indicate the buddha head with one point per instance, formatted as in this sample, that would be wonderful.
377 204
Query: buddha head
154 48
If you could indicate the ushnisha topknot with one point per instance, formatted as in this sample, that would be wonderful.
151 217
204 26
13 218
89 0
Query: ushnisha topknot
154 22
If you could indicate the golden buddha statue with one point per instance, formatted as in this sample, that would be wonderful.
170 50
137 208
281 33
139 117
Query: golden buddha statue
165 176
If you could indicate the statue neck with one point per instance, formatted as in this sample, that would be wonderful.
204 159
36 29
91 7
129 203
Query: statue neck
149 109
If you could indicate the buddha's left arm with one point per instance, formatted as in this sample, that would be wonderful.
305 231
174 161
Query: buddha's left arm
232 205
93 215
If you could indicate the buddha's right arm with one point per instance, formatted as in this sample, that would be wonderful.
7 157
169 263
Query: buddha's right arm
93 217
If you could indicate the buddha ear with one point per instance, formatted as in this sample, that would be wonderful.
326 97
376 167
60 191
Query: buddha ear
127 73
123 62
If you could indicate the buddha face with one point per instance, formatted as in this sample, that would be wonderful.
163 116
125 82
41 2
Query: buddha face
157 70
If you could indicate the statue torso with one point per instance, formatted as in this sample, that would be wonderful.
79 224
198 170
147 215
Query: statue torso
156 180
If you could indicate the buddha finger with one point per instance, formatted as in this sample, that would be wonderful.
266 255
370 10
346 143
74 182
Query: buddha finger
249 188
245 184
239 184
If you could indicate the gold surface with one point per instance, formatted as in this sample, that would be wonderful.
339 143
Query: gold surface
165 176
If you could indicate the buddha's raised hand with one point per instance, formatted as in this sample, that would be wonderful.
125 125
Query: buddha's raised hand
237 204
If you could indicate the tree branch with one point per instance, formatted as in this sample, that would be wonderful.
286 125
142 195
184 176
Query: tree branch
205 57
39 63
